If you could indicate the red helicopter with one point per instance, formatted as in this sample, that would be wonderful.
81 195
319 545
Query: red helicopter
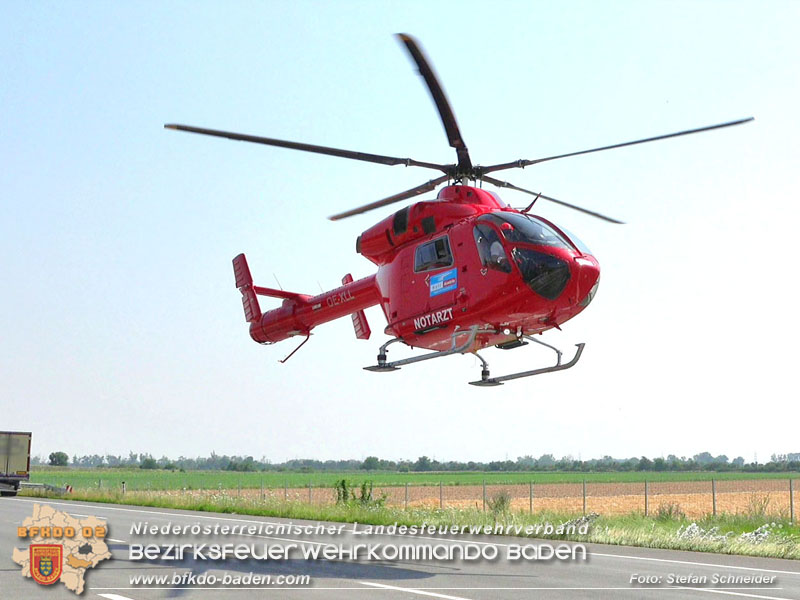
456 274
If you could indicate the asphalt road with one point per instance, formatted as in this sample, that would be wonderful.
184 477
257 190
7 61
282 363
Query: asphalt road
606 572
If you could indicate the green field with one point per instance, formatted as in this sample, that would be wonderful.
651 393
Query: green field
141 479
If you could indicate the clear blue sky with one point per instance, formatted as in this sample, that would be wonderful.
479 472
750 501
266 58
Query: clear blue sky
121 328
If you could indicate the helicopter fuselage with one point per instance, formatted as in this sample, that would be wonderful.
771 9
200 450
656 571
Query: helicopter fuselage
464 260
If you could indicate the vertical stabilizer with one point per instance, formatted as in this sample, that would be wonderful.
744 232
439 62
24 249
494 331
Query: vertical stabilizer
359 318
244 281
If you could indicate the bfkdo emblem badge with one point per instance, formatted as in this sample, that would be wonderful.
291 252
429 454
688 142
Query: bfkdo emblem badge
46 562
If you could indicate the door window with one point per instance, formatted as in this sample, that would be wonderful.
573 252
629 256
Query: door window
431 255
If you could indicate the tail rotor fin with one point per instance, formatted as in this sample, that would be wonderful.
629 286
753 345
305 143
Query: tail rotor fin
244 281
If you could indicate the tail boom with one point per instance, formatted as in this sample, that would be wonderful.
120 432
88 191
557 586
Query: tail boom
299 313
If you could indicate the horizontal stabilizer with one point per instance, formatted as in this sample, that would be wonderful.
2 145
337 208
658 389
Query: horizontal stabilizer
262 291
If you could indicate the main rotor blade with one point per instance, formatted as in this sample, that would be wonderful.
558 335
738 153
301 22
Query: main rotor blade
526 163
505 184
373 158
440 99
420 189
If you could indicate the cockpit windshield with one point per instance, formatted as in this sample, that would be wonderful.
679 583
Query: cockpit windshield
517 227
577 241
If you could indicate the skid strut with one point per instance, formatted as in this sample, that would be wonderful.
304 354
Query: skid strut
454 349
486 380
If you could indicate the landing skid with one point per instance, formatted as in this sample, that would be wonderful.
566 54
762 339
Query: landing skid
383 366
487 380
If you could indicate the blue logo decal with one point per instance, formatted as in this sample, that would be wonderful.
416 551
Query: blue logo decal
444 282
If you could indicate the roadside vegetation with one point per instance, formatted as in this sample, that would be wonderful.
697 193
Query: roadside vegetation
752 533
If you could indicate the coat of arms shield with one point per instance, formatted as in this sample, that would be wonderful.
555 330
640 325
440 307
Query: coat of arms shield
46 562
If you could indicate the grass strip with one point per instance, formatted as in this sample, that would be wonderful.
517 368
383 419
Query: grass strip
744 534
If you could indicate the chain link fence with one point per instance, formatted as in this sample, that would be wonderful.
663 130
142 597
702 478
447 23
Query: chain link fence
762 497
757 497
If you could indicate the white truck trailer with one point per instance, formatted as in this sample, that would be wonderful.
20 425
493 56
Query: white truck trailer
15 460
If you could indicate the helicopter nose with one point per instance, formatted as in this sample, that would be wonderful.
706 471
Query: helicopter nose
588 278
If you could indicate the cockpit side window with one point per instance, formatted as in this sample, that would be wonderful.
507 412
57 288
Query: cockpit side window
431 255
517 227
490 249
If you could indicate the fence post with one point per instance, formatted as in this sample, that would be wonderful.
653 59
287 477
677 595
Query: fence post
531 498
240 488
406 494
714 497
262 489
99 483
484 495
123 487
584 496
286 490
309 492
645 498
441 496
791 501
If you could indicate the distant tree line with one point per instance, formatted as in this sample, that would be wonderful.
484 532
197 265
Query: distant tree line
546 462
